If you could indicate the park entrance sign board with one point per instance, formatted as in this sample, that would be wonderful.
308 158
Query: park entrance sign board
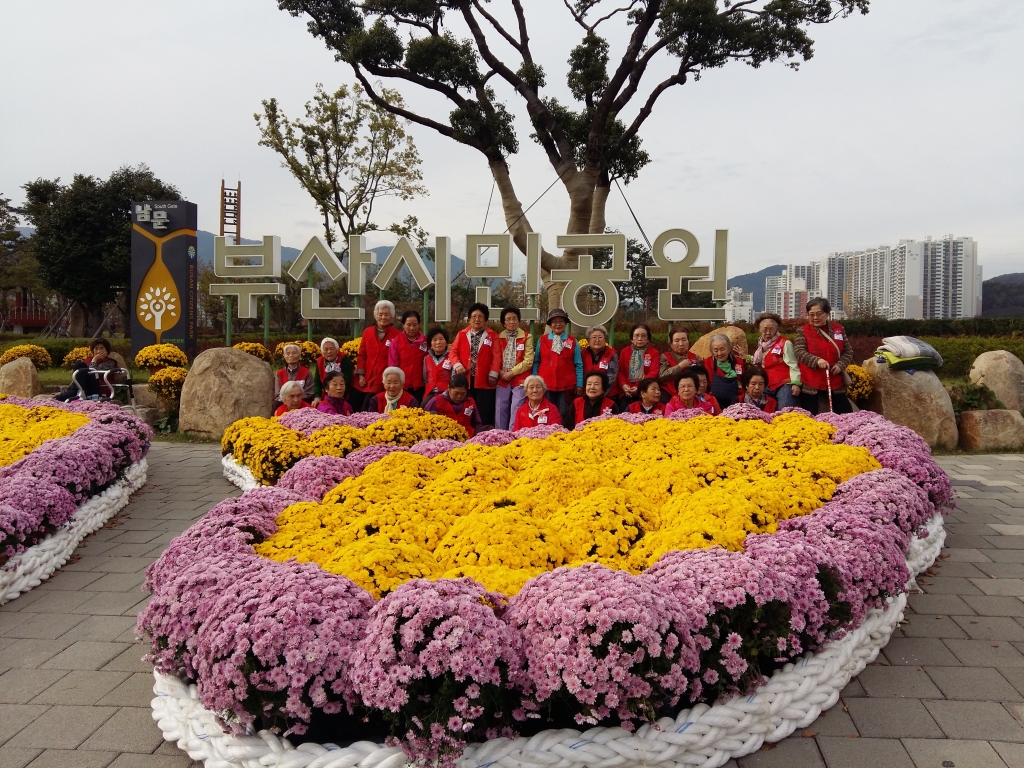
165 279
263 260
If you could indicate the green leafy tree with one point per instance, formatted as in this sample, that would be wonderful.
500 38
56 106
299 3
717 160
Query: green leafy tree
83 233
468 58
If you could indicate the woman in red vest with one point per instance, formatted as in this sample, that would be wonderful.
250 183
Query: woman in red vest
437 368
373 353
395 395
725 371
650 399
598 356
687 394
291 397
474 354
636 362
558 361
755 381
537 411
822 347
515 353
329 360
678 359
776 355
457 405
593 403
293 370
407 352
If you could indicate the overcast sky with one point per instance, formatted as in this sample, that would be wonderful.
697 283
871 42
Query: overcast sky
907 122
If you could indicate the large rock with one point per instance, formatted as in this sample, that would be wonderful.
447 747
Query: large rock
1003 373
702 346
19 378
991 430
918 401
223 386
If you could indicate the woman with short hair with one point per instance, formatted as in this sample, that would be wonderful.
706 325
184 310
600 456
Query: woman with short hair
678 359
473 353
650 398
755 382
437 368
725 371
515 351
329 360
537 411
638 361
686 396
293 370
407 351
291 398
598 356
91 387
333 395
395 395
456 404
594 401
559 363
775 353
823 353
372 358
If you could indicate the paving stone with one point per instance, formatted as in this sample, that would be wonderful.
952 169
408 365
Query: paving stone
1005 555
928 625
853 689
68 581
995 605
919 651
945 605
62 727
944 753
45 626
1005 542
131 660
972 684
966 555
898 682
12 757
152 761
983 653
85 654
1012 754
125 582
1000 570
131 729
136 691
9 621
81 687
893 718
856 753
785 754
102 628
940 585
29 654
1014 676
20 686
960 570
110 603
60 602
143 536
991 627
834 722
984 720
14 717
62 758
120 564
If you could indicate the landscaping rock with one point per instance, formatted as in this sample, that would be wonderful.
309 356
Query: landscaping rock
223 386
918 401
19 378
991 430
1003 373
702 346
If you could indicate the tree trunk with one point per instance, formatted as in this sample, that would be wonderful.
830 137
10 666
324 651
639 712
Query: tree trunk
93 318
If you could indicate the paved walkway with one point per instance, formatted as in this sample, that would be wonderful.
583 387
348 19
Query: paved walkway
947 692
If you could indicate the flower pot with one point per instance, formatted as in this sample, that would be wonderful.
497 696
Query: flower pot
154 368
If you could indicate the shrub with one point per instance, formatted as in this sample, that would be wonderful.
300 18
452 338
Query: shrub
973 397
76 355
254 349
959 354
160 354
40 357
167 383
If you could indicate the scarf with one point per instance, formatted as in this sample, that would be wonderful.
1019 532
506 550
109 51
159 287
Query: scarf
763 347
726 368
758 403
508 359
392 405
475 337
636 364
337 403
557 343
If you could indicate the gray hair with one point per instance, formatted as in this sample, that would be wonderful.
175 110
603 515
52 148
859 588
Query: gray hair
601 328
532 378
393 371
720 337
384 304
288 386
292 346
329 339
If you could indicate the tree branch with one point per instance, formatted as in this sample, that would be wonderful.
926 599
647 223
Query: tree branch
500 29
444 130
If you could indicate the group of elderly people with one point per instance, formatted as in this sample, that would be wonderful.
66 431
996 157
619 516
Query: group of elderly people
487 379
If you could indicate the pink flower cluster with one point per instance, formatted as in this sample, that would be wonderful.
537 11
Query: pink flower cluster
495 438
41 491
316 475
748 412
309 420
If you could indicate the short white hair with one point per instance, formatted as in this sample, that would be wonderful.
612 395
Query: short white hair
332 341
530 379
384 304
296 347
600 328
393 371
720 337
288 386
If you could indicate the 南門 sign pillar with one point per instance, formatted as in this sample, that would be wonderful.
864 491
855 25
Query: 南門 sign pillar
165 275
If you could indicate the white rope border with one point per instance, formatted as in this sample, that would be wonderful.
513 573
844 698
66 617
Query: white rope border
30 568
706 736
238 474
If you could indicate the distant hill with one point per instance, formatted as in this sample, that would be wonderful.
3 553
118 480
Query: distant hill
1003 296
754 282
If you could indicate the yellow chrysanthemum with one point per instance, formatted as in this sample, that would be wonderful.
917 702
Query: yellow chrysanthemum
22 430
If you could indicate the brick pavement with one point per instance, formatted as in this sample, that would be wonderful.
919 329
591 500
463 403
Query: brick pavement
947 692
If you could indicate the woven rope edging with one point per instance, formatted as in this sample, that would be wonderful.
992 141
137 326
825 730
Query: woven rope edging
706 736
30 568
238 474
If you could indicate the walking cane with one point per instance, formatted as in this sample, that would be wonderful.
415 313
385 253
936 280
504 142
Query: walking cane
828 385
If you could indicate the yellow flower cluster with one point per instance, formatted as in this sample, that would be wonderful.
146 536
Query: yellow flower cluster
309 351
861 386
40 357
269 449
255 349
167 383
160 354
22 430
76 355
351 348
615 493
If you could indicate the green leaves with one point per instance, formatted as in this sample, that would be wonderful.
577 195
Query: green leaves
588 68
444 59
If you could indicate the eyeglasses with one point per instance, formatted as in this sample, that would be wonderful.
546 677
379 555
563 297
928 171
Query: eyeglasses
816 314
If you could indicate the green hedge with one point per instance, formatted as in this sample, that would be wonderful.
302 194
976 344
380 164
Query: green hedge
975 326
58 348
959 354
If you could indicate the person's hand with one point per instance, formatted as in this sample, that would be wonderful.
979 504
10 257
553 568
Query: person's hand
684 364
738 351
837 370
316 402
822 364
493 376
507 376
795 389
579 391
361 381
459 368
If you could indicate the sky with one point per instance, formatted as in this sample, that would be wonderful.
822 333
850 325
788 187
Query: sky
906 123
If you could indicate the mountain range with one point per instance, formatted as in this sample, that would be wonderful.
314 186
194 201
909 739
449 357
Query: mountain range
754 283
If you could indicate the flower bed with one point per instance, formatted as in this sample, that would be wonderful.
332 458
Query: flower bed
69 469
441 662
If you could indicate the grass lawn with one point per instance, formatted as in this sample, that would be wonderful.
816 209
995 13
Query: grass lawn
60 378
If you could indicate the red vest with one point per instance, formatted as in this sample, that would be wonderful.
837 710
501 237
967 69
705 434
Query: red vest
670 386
438 374
282 377
558 371
652 365
675 404
283 409
321 367
380 401
485 357
373 357
601 365
546 415
410 359
775 366
713 370
520 353
637 407
821 347
606 408
445 408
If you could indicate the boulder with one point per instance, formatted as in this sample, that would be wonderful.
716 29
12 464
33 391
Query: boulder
116 357
19 378
1003 373
916 400
991 430
223 386
702 346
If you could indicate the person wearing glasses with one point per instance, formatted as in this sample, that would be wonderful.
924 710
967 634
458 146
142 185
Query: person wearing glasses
821 346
